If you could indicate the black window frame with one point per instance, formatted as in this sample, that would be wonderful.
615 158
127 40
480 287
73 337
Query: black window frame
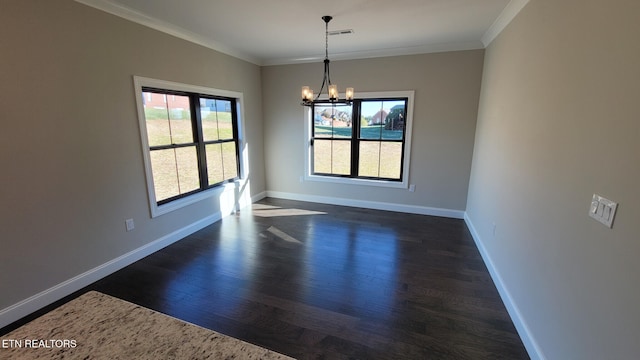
198 139
356 139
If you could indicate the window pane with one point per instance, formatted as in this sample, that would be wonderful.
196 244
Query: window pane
332 157
332 121
380 159
157 119
175 171
216 119
322 156
209 117
214 163
222 163
372 117
394 124
180 119
229 160
382 119
390 160
188 169
168 119
225 124
165 178
369 162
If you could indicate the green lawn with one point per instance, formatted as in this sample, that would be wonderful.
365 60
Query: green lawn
366 132
175 171
377 158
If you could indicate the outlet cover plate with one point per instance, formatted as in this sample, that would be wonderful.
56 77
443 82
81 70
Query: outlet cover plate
130 225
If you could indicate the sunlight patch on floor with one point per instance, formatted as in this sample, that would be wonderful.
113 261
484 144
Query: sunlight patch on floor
271 211
282 235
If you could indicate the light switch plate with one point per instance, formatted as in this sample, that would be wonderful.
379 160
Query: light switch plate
603 210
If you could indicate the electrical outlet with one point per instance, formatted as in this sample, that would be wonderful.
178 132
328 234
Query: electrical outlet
129 224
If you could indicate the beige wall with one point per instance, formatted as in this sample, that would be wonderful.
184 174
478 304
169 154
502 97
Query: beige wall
71 166
559 120
446 100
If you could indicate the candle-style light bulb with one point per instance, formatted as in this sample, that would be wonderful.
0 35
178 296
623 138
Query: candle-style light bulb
349 94
333 92
305 93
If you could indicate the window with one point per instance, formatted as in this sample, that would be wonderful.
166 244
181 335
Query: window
190 141
366 142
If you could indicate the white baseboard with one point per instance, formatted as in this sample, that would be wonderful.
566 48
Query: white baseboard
259 196
57 292
412 209
534 350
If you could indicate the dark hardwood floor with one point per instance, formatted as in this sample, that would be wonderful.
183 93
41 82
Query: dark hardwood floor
316 281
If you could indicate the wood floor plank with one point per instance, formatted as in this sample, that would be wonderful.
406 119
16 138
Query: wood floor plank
317 281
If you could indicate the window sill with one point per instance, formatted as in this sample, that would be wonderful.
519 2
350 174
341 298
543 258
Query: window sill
157 210
363 182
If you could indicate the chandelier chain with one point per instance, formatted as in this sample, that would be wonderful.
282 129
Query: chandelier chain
326 40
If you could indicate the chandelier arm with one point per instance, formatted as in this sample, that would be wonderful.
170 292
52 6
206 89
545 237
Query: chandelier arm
327 72
324 81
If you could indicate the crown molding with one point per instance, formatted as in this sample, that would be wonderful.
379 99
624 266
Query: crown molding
508 14
377 53
510 11
163 26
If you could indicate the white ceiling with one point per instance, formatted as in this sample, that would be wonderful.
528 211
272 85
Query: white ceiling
268 32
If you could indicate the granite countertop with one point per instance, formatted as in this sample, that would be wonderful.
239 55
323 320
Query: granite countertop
98 326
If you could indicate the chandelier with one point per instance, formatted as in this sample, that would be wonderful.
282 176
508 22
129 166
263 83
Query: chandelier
332 90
